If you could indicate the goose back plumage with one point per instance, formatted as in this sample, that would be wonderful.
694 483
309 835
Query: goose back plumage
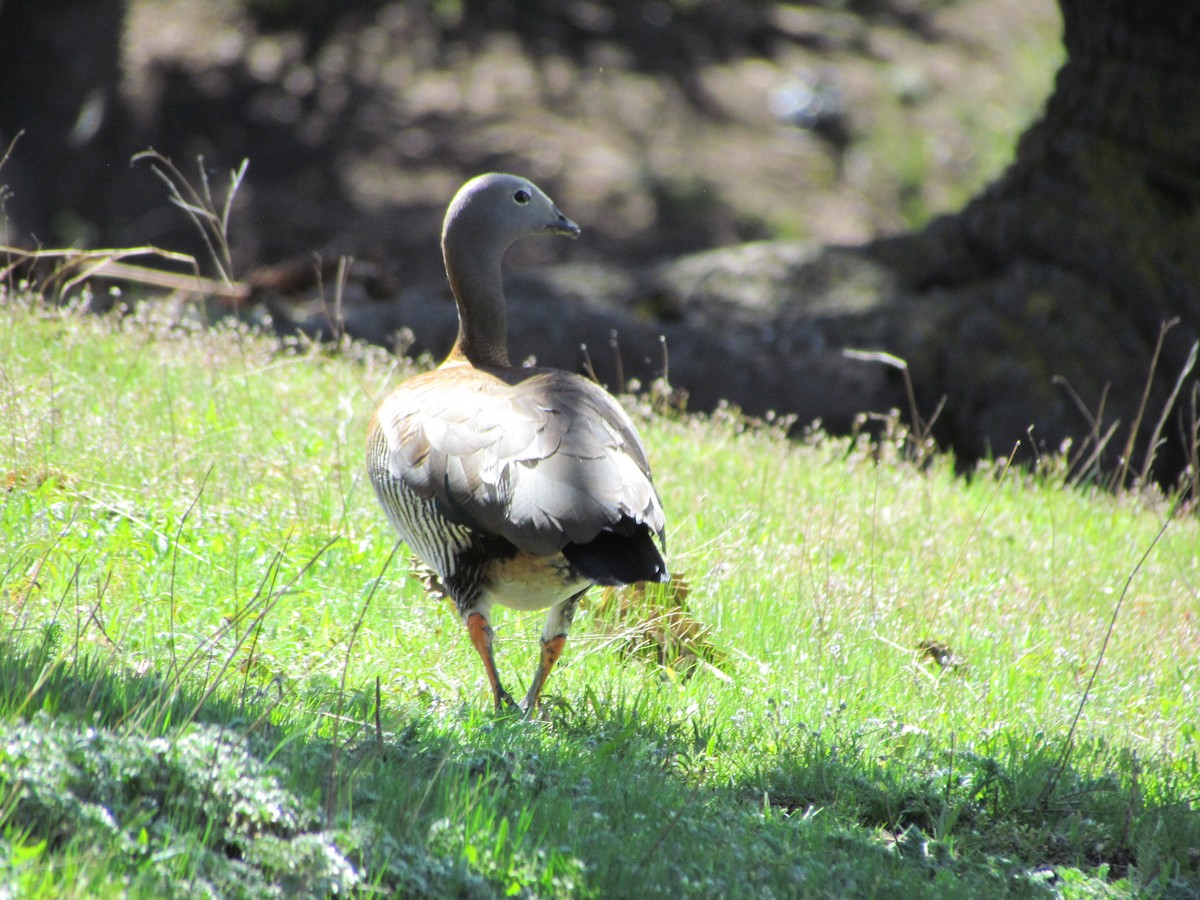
540 457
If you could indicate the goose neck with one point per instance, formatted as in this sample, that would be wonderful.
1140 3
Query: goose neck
474 274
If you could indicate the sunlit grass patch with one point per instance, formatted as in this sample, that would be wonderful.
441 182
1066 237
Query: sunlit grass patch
190 558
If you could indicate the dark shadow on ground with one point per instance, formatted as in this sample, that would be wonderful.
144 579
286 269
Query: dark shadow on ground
813 805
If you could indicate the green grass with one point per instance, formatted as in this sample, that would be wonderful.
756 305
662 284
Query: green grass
196 607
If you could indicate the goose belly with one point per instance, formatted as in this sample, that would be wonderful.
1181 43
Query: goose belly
528 582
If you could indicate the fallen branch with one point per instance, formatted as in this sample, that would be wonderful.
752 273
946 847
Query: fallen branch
76 266
175 281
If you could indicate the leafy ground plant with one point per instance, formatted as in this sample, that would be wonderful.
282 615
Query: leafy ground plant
217 679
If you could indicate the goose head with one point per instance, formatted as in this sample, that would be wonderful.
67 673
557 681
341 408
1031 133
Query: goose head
497 209
487 215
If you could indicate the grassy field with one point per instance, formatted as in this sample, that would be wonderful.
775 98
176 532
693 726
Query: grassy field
217 680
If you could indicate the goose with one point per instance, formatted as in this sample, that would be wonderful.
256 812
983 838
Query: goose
518 486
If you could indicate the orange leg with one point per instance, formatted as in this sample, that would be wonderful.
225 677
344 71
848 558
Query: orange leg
554 638
551 650
481 636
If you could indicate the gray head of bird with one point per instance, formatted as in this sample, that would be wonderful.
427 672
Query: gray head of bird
487 215
494 210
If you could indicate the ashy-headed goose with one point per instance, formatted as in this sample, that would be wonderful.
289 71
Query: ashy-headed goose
521 486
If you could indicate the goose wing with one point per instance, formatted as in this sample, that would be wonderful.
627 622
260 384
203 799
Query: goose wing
540 457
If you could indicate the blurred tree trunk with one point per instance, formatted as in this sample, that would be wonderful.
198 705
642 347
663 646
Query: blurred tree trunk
1060 276
1034 313
60 71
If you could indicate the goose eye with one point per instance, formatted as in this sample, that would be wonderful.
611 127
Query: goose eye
521 196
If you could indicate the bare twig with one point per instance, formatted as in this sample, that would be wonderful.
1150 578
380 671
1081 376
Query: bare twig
1192 442
175 557
339 294
1048 790
335 317
76 266
11 145
587 363
378 722
5 193
1094 423
331 797
1093 462
173 281
615 343
201 208
236 177
1188 365
921 429
1135 427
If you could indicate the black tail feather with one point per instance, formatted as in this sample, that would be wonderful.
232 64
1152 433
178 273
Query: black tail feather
612 558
